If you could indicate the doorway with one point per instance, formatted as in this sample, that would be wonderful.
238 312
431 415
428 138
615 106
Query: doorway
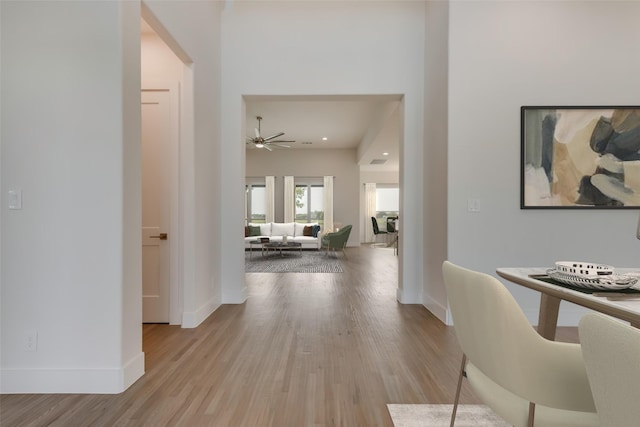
156 209
164 121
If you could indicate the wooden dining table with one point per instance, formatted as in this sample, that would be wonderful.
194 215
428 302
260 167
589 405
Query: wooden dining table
624 306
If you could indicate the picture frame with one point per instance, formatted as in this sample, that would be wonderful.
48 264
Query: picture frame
580 157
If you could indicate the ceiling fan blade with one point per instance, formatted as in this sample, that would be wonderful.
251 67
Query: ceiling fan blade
274 136
279 140
279 145
249 139
257 133
268 148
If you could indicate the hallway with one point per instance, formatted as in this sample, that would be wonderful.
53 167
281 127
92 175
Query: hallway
304 350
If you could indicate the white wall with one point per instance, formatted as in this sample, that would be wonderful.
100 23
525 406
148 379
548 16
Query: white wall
71 142
507 54
380 177
71 108
194 29
324 48
160 67
313 163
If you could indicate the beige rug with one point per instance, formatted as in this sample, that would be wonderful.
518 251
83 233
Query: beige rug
440 416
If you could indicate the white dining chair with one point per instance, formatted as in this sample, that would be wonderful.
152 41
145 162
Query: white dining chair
611 351
525 378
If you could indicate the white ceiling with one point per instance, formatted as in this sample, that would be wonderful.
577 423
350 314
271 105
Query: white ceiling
370 123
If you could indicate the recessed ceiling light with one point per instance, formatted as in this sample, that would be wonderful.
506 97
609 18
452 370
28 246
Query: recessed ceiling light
385 154
324 138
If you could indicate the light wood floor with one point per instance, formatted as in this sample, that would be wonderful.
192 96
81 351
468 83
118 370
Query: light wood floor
304 350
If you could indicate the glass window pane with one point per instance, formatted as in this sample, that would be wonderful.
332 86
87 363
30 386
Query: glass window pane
309 203
387 199
387 205
258 210
316 202
302 203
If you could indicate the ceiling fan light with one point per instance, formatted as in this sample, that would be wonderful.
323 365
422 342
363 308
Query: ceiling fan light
259 145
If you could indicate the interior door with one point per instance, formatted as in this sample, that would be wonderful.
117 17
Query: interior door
156 145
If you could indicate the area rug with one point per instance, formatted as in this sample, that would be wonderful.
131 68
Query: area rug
440 416
293 262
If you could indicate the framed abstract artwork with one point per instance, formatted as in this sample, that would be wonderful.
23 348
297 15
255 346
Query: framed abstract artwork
580 157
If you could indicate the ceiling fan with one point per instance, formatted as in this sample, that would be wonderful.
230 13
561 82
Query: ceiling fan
267 142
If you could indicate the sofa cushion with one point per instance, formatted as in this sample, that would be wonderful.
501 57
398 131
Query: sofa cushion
246 231
280 229
265 229
308 230
305 239
315 231
299 228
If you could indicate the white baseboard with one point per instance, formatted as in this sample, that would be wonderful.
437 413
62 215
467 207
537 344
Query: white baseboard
191 319
74 381
405 297
436 309
133 370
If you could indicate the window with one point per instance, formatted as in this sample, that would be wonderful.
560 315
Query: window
309 201
387 204
255 195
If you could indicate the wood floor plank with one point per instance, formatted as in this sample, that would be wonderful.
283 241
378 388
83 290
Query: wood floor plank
320 350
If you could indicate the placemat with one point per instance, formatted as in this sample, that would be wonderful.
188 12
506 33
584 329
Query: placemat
547 279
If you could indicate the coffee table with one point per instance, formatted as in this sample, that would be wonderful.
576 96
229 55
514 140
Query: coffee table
257 242
280 246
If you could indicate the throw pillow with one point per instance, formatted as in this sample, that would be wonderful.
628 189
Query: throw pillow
315 231
246 231
254 231
308 231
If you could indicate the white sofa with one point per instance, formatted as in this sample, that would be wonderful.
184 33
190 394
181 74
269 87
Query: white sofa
294 232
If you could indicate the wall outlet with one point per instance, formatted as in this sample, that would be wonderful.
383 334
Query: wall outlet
31 341
15 199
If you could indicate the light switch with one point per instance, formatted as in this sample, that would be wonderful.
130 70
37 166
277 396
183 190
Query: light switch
15 199
473 205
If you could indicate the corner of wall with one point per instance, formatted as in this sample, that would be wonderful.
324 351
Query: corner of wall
436 309
404 297
191 319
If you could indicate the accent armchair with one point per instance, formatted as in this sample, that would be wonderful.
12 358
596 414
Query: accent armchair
337 240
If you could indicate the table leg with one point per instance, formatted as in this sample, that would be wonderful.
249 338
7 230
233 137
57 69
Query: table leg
548 316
